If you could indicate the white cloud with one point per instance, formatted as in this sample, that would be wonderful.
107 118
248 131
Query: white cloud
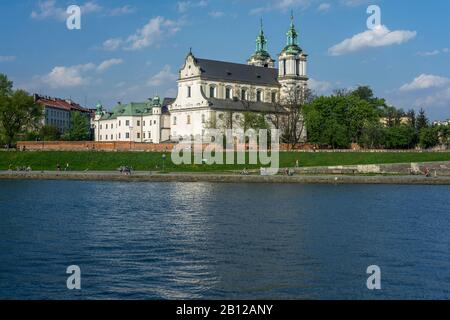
105 65
354 3
432 53
216 14
120 11
425 81
438 99
7 58
319 87
165 76
379 37
112 44
156 30
63 77
48 9
183 6
74 76
323 7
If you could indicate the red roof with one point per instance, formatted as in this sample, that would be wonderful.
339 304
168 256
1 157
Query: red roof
60 104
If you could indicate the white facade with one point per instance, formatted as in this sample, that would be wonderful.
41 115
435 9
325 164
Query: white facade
210 93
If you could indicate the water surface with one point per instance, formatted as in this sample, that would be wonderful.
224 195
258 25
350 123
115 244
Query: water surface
223 241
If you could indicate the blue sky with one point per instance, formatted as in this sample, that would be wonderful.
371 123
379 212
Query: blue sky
130 50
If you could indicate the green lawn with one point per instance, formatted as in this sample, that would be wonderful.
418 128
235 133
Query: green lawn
153 161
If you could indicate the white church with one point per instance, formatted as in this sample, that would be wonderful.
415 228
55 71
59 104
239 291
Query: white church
211 94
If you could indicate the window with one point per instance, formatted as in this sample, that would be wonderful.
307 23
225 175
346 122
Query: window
149 135
127 135
106 126
138 135
227 93
188 92
112 137
188 119
127 123
100 137
174 121
143 135
138 123
100 127
203 118
274 97
154 122
106 137
212 92
119 123
119 136
243 94
143 123
258 96
237 117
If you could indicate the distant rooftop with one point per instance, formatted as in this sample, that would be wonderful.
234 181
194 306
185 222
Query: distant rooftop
58 103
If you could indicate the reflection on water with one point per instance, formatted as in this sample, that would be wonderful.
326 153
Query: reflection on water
234 241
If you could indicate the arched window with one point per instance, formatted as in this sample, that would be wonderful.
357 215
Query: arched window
212 91
274 96
244 94
258 96
228 93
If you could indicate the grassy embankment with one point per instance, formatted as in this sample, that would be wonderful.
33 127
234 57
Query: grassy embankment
144 161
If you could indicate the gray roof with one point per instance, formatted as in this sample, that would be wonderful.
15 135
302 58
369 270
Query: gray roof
244 106
235 72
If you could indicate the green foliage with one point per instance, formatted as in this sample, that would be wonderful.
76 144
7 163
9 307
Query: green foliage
49 133
400 137
422 120
340 120
18 112
429 137
79 128
373 135
252 120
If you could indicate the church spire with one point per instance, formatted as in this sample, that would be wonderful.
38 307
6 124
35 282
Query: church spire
261 39
292 33
261 57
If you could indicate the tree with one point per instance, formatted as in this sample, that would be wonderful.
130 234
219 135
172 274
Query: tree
18 111
422 120
6 86
79 128
373 135
400 137
429 137
364 93
289 118
49 133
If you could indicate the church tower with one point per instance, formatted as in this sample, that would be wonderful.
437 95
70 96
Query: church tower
292 67
261 58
